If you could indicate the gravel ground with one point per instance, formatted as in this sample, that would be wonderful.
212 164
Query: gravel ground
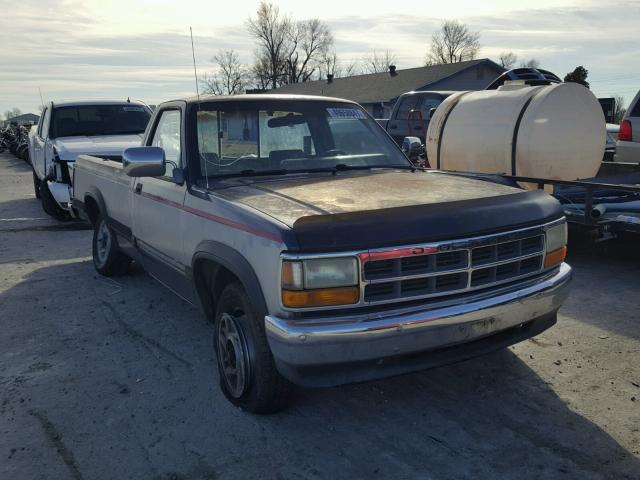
103 379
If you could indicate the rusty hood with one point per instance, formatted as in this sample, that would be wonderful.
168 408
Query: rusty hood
290 198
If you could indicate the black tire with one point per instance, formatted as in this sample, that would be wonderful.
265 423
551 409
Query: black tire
256 386
36 185
108 260
49 204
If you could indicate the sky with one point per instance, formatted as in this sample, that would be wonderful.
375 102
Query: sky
70 49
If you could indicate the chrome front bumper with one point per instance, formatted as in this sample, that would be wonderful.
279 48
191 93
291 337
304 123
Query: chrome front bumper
311 343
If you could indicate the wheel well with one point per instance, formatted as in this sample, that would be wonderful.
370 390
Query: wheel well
211 278
92 209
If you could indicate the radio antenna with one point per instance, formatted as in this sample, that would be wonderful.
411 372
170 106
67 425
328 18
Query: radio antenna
41 101
200 144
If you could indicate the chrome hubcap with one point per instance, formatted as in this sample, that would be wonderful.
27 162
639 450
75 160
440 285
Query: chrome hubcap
232 355
103 243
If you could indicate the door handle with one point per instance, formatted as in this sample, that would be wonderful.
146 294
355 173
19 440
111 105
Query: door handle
138 188
393 127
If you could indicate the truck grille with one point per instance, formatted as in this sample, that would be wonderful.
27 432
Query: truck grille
453 271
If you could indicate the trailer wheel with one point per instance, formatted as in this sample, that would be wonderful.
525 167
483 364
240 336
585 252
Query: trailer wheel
248 375
50 205
36 185
107 257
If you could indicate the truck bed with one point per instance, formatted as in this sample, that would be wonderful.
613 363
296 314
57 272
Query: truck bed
103 177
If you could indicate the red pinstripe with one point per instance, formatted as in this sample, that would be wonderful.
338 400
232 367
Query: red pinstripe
215 218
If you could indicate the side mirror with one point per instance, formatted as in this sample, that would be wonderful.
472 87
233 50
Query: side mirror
144 162
412 147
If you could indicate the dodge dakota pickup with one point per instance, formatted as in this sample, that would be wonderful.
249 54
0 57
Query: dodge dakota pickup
319 252
68 129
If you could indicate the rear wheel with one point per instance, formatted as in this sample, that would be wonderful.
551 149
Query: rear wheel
248 375
107 257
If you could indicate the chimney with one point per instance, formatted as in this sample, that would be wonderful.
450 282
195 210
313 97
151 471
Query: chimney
330 78
392 70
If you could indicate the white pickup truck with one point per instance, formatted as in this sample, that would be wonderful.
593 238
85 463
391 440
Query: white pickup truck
319 252
68 129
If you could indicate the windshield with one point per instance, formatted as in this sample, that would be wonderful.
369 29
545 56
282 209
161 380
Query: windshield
247 138
99 120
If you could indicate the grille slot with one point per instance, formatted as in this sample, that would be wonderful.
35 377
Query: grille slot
379 292
455 271
451 260
379 269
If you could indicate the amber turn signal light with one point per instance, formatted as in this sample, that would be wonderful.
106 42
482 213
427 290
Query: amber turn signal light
325 297
555 257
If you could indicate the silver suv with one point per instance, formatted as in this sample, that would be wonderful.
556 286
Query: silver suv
628 147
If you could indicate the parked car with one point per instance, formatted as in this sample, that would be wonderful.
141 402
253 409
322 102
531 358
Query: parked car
610 146
411 113
68 129
320 253
628 145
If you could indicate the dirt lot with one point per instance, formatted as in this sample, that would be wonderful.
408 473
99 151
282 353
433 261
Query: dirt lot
104 379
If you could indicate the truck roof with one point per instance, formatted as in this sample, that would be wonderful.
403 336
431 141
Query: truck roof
78 103
438 92
261 97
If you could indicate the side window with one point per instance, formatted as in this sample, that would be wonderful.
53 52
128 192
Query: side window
44 127
167 137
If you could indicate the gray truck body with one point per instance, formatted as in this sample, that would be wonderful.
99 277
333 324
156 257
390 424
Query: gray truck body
249 225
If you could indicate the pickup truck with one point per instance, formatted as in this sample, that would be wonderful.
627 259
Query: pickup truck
411 114
68 129
319 252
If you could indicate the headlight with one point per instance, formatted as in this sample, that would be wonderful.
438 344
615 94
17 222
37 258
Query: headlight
320 282
556 245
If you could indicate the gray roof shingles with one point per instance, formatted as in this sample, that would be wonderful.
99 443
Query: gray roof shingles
376 87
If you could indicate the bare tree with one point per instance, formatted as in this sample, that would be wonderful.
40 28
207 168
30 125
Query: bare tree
531 63
453 43
378 62
272 32
231 77
261 72
329 65
620 109
508 60
14 112
350 69
309 41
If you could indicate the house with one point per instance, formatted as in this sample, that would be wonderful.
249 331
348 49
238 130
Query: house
378 92
26 118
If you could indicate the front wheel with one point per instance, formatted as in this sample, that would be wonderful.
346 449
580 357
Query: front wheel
36 185
248 375
107 257
49 203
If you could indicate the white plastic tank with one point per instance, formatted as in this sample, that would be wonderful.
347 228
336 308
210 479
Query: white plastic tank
552 131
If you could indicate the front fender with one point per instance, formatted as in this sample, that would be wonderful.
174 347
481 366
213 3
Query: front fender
237 264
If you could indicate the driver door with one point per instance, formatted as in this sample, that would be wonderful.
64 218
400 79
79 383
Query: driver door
158 202
39 144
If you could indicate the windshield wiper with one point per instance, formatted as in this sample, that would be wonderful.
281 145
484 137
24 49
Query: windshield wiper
283 171
253 173
343 166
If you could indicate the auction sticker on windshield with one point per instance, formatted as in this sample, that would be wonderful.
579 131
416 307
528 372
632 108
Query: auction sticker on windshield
346 113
